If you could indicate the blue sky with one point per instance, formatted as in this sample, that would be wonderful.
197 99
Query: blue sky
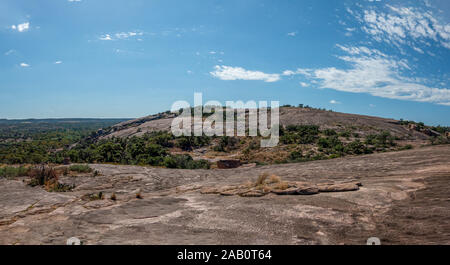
117 58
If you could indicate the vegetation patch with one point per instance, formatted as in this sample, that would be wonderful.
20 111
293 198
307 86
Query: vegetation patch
93 196
47 177
13 172
80 168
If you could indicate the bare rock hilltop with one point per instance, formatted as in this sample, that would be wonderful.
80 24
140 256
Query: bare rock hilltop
403 200
288 116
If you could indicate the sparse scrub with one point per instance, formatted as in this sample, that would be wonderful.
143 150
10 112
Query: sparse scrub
299 134
80 168
329 132
185 162
296 155
406 147
226 143
94 196
439 140
47 177
13 172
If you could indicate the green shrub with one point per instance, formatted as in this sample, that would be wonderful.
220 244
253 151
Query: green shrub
12 172
345 134
187 143
296 155
329 142
406 147
357 147
185 162
382 140
329 132
80 168
439 140
226 143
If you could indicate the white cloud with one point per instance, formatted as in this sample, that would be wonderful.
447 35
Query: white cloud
105 37
21 27
74 0
404 25
303 84
288 73
419 50
24 65
378 75
238 73
352 50
299 71
58 62
292 34
121 35
126 35
334 102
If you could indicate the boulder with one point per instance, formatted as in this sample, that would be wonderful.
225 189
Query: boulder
338 187
231 163
430 132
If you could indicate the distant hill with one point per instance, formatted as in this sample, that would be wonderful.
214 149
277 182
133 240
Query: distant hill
361 124
305 134
66 120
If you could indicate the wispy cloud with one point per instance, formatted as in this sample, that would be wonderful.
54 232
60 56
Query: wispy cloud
24 65
21 27
292 34
375 73
334 102
238 73
121 35
58 62
10 52
105 37
404 25
303 84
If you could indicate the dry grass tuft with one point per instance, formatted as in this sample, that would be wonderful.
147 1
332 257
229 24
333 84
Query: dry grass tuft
282 185
274 179
261 179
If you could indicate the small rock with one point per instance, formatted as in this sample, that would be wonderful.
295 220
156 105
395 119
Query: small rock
231 163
